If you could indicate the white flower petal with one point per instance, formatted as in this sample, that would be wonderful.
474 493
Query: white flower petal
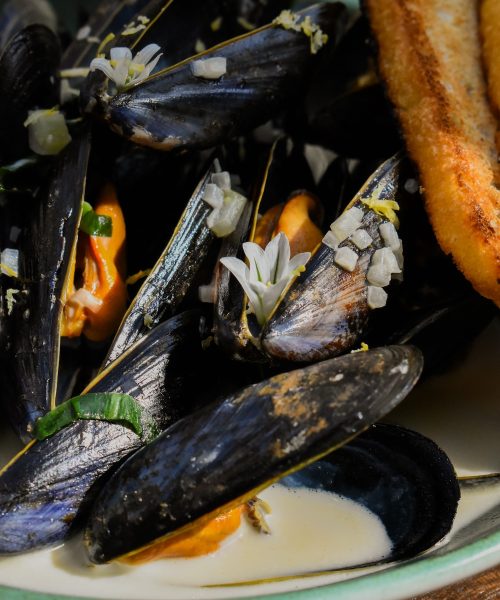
272 255
121 53
299 260
239 269
147 69
102 64
259 270
146 54
121 74
282 259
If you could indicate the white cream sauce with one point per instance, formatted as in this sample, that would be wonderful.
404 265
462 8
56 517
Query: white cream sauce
310 531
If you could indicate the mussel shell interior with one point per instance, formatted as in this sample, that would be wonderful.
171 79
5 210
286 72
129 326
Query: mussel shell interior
401 476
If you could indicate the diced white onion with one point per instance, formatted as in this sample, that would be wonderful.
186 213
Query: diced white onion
379 275
209 68
10 262
390 236
347 223
361 239
213 195
385 257
206 293
48 133
331 240
376 296
222 180
399 255
86 299
346 258
223 221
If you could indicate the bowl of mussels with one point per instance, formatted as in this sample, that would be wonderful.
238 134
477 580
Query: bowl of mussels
250 265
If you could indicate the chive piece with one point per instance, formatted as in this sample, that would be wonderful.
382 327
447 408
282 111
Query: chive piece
114 408
94 224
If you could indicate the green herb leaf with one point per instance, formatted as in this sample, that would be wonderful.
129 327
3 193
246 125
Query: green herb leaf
94 224
114 408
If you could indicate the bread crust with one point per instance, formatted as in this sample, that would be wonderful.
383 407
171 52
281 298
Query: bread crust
430 59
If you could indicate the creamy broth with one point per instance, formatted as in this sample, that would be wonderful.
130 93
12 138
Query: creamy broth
310 531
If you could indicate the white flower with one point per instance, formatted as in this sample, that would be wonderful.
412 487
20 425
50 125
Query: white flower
269 273
125 70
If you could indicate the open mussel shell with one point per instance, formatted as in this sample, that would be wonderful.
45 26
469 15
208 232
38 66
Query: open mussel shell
223 454
173 274
48 243
284 171
173 109
51 482
401 476
325 310
27 74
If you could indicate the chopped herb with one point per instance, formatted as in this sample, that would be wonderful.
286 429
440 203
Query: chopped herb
94 224
114 408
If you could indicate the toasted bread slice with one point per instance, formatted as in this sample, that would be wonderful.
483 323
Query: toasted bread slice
430 58
490 33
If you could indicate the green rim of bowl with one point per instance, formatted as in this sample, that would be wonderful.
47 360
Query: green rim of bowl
394 583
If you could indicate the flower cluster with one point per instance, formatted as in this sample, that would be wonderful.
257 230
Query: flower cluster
269 273
124 69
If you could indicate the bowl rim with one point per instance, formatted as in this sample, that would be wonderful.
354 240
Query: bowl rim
393 583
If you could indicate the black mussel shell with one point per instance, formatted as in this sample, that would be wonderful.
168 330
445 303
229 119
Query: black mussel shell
27 74
173 109
401 476
30 379
172 276
18 14
225 452
325 311
53 481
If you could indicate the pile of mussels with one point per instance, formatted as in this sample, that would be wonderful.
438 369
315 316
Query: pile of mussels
138 162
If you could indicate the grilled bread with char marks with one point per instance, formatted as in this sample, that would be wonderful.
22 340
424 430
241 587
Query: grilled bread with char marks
430 59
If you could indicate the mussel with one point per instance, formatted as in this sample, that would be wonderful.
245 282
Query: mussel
325 310
221 455
28 67
52 482
176 109
399 475
35 320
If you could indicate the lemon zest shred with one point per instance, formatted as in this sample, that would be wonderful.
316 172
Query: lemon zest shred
384 208
363 348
